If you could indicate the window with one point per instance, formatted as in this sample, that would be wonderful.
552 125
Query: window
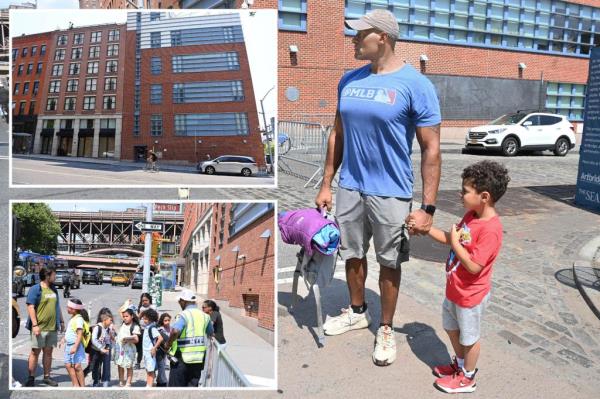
33 50
59 55
20 70
292 14
94 52
215 91
92 67
113 50
43 49
96 37
66 123
156 123
86 123
36 88
70 103
206 62
26 88
61 40
72 85
76 53
154 16
156 65
40 65
48 124
109 102
241 215
89 103
90 84
217 124
29 69
108 123
78 38
155 94
57 70
51 104
24 52
74 68
566 99
209 35
110 84
112 66
16 88
54 86
15 53
154 39
547 120
113 35
22 105
32 108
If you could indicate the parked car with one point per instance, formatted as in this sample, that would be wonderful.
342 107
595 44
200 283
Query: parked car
522 131
92 276
16 318
120 279
237 164
63 276
138 280
32 279
107 276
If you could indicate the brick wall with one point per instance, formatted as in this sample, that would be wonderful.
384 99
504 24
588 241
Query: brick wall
253 275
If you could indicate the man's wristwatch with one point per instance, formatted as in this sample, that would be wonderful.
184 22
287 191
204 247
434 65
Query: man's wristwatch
430 209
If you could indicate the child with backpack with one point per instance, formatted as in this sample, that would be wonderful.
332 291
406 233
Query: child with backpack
150 344
127 337
103 335
164 329
77 337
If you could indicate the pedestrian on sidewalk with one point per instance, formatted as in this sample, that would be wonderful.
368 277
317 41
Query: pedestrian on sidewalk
103 336
127 338
212 309
381 107
187 342
475 244
164 329
77 336
145 304
152 341
44 321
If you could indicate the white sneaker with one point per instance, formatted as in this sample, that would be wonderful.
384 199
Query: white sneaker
347 321
384 353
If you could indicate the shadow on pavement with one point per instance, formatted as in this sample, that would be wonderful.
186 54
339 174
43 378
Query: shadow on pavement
58 371
427 249
589 280
425 344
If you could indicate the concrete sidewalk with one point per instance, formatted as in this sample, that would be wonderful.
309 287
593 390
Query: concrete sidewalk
251 353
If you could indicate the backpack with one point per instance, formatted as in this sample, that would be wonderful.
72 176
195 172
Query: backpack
86 336
164 336
89 348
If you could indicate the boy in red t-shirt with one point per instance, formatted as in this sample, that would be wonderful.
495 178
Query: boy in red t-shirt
475 245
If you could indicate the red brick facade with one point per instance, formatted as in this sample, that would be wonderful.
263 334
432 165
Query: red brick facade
192 214
25 121
250 277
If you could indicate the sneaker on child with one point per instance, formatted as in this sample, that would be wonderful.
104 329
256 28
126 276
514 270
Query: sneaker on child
446 369
457 383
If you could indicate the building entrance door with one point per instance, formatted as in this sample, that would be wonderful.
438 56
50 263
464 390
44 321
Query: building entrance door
140 153
65 146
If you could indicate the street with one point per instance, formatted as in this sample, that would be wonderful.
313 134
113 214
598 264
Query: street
62 171
250 353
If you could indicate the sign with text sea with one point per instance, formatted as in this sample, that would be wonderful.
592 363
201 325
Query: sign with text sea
588 176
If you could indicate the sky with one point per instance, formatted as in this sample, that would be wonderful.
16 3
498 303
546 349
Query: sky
83 206
259 26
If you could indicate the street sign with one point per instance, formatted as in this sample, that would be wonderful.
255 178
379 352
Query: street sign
149 226
167 208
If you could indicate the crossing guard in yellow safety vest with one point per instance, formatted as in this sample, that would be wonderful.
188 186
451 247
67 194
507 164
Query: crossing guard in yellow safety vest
192 340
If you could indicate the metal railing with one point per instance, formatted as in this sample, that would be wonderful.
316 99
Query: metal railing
305 151
220 370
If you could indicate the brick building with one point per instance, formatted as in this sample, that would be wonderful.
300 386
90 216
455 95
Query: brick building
191 88
195 247
89 4
30 60
80 96
485 57
242 259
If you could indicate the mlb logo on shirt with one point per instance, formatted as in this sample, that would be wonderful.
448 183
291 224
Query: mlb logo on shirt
384 96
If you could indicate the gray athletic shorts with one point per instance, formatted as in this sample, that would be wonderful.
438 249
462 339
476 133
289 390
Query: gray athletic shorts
467 320
362 216
46 339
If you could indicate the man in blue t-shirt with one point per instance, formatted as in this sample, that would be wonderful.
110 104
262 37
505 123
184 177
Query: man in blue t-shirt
381 107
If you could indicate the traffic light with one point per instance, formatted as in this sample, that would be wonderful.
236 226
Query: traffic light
156 241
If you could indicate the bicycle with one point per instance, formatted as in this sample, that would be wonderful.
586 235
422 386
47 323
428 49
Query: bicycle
284 143
151 167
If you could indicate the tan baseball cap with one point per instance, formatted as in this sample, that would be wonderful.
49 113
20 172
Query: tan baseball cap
382 20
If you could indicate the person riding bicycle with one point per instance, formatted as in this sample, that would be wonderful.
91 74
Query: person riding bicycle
151 160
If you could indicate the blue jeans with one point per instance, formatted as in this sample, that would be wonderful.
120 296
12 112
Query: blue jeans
161 375
100 361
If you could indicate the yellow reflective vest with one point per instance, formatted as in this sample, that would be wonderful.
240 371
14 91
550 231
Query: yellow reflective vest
192 339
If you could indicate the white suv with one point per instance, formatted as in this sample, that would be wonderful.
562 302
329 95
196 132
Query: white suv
536 131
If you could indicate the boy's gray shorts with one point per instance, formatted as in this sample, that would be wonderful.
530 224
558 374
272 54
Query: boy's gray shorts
467 320
362 216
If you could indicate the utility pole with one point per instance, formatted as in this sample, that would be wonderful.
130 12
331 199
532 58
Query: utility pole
147 251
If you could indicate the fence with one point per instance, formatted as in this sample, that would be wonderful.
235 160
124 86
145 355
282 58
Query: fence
303 155
220 370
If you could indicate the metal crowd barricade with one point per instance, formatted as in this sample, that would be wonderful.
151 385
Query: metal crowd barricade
220 370
307 149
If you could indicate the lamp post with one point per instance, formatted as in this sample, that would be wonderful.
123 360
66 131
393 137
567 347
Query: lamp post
269 135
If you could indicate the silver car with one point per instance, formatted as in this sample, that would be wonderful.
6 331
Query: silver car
243 165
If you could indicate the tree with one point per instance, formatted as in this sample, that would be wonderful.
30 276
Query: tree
39 228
